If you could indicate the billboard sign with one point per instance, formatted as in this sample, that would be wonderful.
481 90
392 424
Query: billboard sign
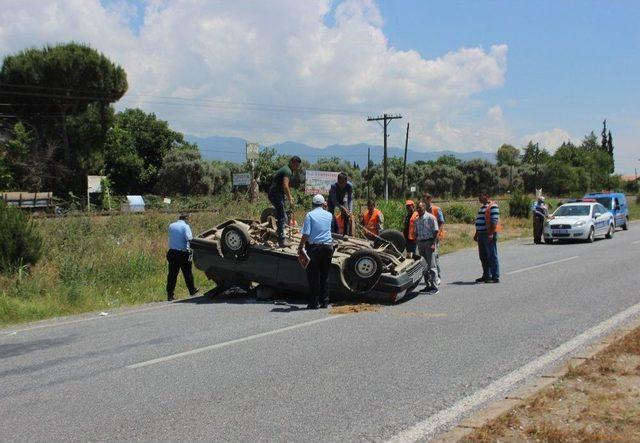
242 179
319 182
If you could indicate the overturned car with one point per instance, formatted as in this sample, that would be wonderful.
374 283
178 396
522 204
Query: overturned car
242 253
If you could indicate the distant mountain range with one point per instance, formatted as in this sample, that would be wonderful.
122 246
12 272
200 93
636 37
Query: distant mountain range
233 149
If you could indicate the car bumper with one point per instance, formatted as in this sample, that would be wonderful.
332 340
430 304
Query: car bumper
580 233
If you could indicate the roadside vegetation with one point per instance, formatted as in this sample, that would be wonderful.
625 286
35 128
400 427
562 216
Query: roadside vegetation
594 402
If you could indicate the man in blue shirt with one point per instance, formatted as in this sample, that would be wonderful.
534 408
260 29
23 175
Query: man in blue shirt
179 256
317 241
341 196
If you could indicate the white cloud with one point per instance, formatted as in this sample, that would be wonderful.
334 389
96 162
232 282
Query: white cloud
551 139
226 55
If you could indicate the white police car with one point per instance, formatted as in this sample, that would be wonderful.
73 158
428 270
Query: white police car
583 220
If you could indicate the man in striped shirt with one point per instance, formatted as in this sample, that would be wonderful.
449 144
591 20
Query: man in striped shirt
487 229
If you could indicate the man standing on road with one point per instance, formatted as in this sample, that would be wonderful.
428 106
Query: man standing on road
179 256
426 232
408 227
341 196
540 212
277 193
437 213
487 229
316 240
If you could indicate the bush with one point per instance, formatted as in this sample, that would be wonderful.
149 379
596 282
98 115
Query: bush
459 213
20 241
519 205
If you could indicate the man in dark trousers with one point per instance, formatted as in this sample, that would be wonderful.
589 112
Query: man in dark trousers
179 256
277 193
341 196
540 212
487 229
316 240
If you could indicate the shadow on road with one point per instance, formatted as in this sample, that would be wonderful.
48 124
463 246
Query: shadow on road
463 283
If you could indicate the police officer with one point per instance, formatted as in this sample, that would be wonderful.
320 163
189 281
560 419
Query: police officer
540 212
179 256
316 240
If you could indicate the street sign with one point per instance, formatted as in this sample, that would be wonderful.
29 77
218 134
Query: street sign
253 151
413 189
94 183
319 182
241 179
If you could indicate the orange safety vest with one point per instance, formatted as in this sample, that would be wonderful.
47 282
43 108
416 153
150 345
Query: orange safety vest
412 225
491 229
340 219
371 221
434 211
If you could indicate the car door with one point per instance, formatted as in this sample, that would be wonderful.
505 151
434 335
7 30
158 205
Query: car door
601 219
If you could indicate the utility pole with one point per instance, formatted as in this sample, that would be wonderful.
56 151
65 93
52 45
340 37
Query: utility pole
537 159
404 165
368 170
386 118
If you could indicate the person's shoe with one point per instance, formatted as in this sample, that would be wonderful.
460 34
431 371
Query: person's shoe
493 280
284 244
438 281
170 298
427 288
191 294
312 307
481 280
434 291
325 306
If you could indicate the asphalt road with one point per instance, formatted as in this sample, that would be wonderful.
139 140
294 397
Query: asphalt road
236 370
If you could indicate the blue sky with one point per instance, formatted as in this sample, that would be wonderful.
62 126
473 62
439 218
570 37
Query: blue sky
468 75
571 63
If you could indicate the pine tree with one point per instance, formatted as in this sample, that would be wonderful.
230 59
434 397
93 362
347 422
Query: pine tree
604 144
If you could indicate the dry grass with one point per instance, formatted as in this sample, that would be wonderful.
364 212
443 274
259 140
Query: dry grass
598 401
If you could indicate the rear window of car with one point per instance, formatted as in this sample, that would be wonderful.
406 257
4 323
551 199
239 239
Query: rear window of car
604 201
572 210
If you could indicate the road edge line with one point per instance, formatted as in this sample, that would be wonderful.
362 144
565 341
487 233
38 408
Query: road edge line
558 358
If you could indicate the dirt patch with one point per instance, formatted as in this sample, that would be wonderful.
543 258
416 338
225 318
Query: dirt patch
354 309
598 400
420 314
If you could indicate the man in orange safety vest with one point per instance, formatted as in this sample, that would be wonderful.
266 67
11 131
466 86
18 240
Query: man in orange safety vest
372 220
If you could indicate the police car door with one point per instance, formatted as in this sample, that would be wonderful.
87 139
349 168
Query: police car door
600 215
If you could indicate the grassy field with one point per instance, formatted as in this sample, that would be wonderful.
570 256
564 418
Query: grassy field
93 263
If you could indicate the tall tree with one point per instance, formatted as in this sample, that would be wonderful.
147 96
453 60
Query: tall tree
43 87
603 143
508 155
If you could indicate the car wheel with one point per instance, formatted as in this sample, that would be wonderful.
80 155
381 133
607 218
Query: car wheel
235 242
610 232
362 271
266 213
393 236
625 227
548 241
592 235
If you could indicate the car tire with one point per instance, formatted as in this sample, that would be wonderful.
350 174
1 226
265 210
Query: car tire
625 227
592 235
266 213
610 232
393 236
362 271
235 242
548 241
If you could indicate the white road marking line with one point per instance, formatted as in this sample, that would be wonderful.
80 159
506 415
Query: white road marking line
82 320
453 414
635 242
541 265
231 342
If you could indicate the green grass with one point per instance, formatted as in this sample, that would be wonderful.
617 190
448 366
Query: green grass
102 262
